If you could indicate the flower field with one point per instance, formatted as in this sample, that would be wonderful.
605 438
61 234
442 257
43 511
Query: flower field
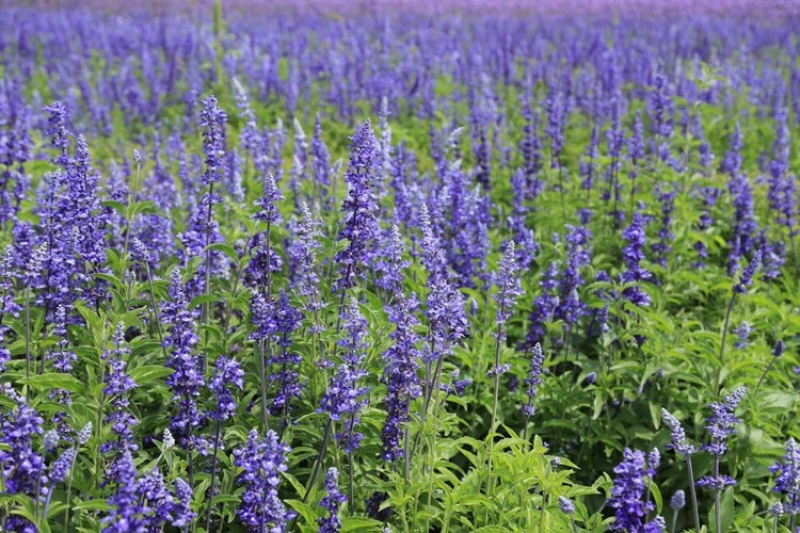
392 267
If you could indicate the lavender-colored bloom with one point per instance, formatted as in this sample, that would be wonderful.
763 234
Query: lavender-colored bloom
331 503
678 500
22 469
570 308
517 222
534 379
267 204
779 348
632 255
227 375
321 159
776 510
85 434
508 287
679 442
566 505
746 278
400 372
346 397
303 250
63 358
212 120
118 385
742 239
359 208
250 137
7 304
720 425
157 502
627 495
285 363
187 380
182 512
742 332
732 162
663 247
446 316
59 470
262 460
543 306
787 477
125 513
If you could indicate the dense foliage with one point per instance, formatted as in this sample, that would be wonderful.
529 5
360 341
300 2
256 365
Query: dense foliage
396 273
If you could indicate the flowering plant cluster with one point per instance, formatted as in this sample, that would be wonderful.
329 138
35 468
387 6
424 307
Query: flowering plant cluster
288 271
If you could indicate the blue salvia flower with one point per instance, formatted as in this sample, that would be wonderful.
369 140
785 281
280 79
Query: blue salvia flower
570 308
663 247
262 460
787 478
517 222
226 376
187 380
266 260
321 157
7 304
742 332
732 162
544 306
118 387
456 386
249 135
534 379
746 278
213 120
678 500
445 312
627 495
182 515
346 397
331 503
508 287
60 468
63 358
633 255
303 250
125 512
359 208
744 226
390 263
285 363
157 502
400 373
529 145
678 442
21 467
57 132
720 425
566 505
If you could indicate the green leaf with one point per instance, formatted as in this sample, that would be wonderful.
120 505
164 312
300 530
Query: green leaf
149 373
54 381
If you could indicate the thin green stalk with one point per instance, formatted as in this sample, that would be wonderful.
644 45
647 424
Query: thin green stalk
213 475
722 345
693 494
766 371
28 333
717 503
156 318
262 378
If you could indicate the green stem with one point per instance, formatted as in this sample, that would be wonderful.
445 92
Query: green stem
722 345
